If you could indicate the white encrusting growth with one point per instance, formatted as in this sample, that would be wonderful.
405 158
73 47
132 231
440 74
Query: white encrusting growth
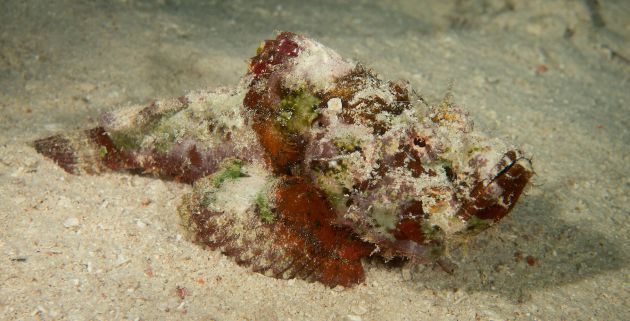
334 104
236 196
316 66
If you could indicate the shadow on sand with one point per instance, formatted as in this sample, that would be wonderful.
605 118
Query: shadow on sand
530 250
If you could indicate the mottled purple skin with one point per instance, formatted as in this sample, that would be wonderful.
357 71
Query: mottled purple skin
311 163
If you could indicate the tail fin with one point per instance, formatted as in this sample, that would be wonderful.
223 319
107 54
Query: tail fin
84 152
181 139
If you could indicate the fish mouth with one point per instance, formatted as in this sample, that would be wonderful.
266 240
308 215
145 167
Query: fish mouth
489 201
494 199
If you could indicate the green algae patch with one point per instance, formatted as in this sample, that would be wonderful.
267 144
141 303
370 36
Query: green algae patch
348 143
126 141
164 135
159 132
207 199
333 190
297 111
264 210
431 232
476 224
336 183
475 149
102 151
232 171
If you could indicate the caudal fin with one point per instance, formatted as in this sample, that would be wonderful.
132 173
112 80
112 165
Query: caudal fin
83 152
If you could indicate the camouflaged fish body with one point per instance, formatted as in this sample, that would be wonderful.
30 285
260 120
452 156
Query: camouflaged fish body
310 164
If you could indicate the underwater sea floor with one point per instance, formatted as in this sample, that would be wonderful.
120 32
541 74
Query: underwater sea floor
551 76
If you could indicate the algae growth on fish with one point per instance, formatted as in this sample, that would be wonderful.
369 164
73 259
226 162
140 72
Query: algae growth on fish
310 164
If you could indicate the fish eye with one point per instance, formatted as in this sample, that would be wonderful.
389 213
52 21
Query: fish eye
420 142
450 175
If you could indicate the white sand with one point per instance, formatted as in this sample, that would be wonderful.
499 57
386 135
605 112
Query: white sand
110 246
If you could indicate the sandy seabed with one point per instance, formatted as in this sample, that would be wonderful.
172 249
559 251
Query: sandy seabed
552 76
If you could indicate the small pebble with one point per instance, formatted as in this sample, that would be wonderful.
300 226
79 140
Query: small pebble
140 224
351 317
359 309
71 222
120 260
334 104
88 267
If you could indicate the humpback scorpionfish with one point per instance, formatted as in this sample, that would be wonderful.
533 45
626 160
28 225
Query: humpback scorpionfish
310 164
